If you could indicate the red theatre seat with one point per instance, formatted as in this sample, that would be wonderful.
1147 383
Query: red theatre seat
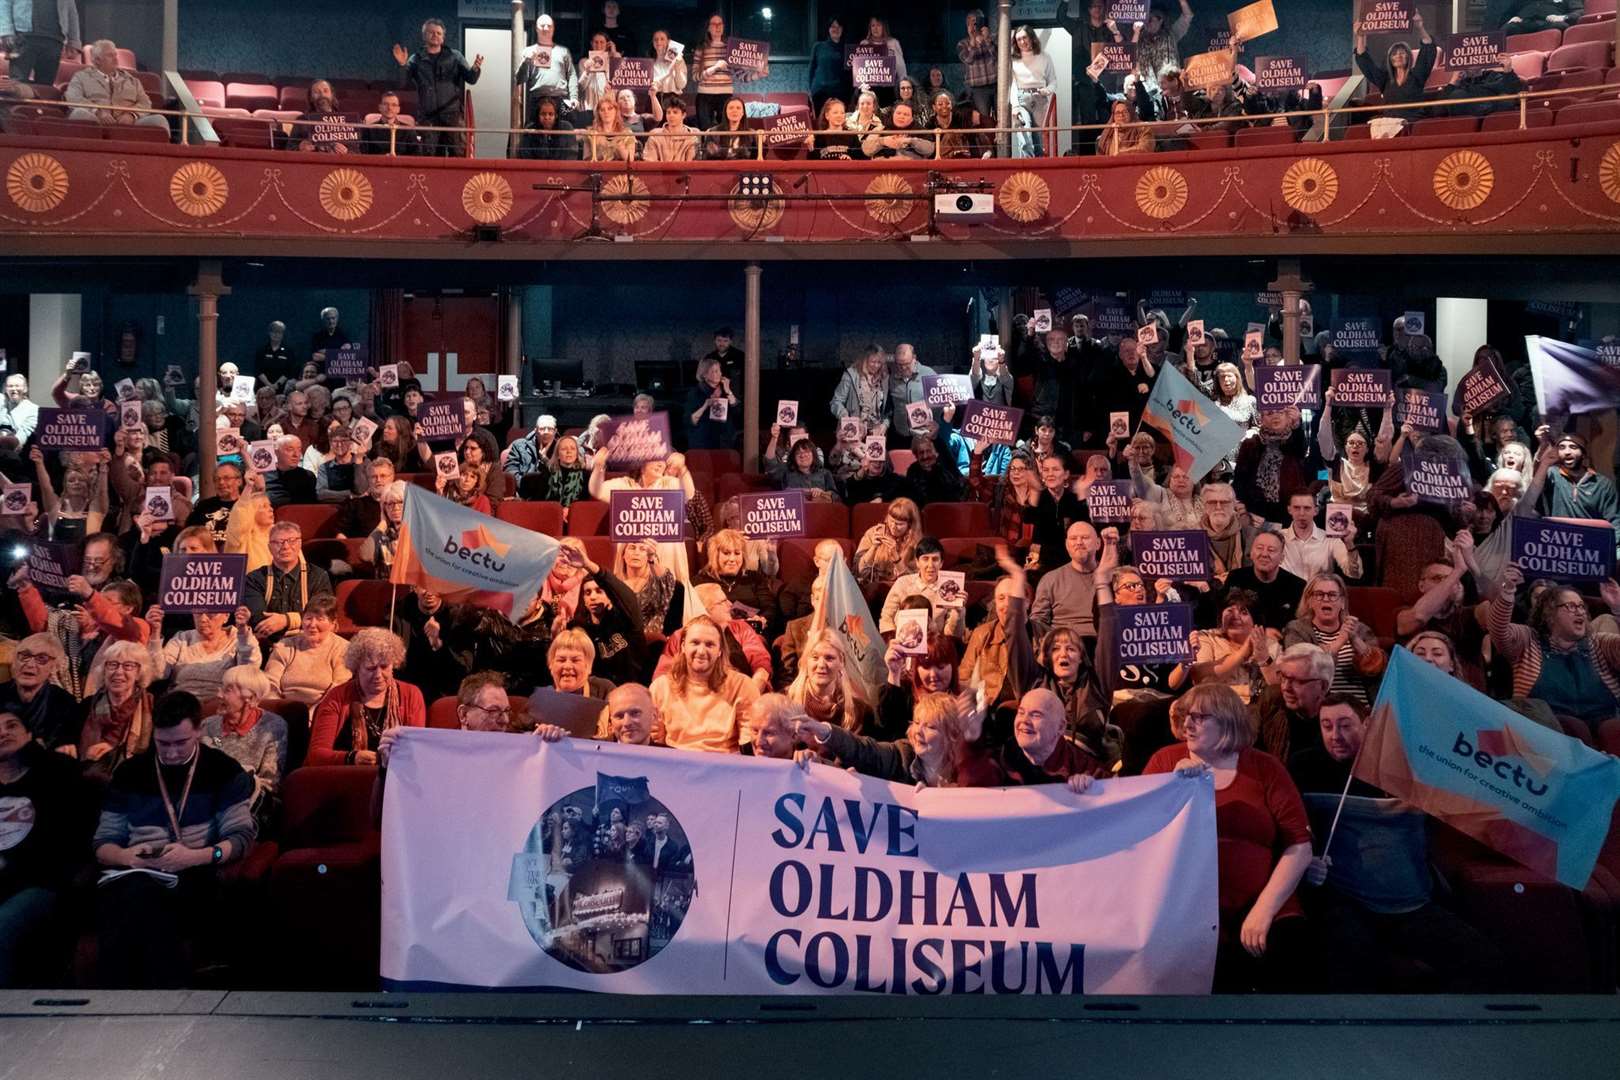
1587 54
1265 136
442 714
1376 606
295 97
600 550
325 887
1508 120
956 519
587 517
250 96
66 70
1540 41
728 484
1588 112
1599 7
1447 125
134 133
714 462
863 516
540 517
245 134
152 83
1529 65
1593 31
1210 140
901 461
363 603
207 92
317 520
825 519
47 127
798 557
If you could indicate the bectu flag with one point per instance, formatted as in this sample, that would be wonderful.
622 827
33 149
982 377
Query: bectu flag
1198 431
468 557
846 612
1532 793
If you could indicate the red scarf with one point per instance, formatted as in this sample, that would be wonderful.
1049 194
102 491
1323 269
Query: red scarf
250 716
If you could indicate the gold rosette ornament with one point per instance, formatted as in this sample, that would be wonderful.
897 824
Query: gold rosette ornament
753 212
199 189
1024 197
1609 172
345 194
1464 180
1310 185
1161 193
487 198
37 183
887 201
628 212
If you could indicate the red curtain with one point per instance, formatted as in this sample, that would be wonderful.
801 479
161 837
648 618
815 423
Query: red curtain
387 325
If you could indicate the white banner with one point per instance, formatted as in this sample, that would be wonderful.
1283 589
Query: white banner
508 862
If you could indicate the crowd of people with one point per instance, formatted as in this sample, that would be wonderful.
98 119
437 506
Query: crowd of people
167 724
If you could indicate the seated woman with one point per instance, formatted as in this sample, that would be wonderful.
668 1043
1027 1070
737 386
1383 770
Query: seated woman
118 709
908 91
659 475
949 121
247 530
932 752
889 548
636 564
1323 618
1264 843
1013 498
726 567
467 489
352 716
908 678
609 139
865 118
800 471
730 139
1123 134
610 616
763 555
1558 658
550 138
1237 653
255 739
700 698
568 478
45 708
480 455
302 667
825 688
832 140
196 660
377 551
569 660
1437 648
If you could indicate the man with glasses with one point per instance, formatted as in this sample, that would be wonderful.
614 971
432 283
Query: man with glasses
215 511
276 595
1290 712
532 455
99 608
49 712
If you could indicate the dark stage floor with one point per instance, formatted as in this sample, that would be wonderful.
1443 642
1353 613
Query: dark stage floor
249 1036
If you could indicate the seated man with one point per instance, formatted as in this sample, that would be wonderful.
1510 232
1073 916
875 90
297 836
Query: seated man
934 477
1278 590
276 595
745 649
214 512
1372 897
396 135
289 481
481 705
47 710
630 717
180 808
105 83
359 516
1289 712
322 128
772 723
1040 753
674 141
531 456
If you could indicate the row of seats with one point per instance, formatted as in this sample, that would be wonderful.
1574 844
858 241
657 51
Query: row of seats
1592 27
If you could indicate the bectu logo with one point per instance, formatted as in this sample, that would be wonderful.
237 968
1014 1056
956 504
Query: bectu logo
478 547
1488 750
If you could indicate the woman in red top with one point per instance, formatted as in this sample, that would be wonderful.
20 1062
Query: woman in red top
351 719
1264 837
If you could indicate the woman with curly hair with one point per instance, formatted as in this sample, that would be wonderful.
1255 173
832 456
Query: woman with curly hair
352 716
118 711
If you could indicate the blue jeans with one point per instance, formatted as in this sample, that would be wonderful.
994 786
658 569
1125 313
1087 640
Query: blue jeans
26 919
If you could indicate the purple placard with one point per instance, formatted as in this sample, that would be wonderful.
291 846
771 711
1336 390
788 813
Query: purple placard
872 65
1280 74
1281 386
1109 502
987 423
348 362
1483 388
1478 51
1564 551
1424 410
1121 56
441 420
1152 633
743 54
197 584
1174 554
785 130
51 564
1068 300
631 73
1357 339
942 390
71 429
1127 11
772 515
1608 354
1385 16
1109 318
1438 481
631 442
336 129
1361 388
647 515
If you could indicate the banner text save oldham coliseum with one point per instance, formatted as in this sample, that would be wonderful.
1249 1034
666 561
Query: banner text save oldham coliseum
806 890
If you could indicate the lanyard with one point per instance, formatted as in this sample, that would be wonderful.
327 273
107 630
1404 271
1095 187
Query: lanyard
185 793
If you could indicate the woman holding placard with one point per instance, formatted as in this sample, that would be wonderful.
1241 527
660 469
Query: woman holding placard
656 475
1558 658
1401 80
668 68
1323 618
80 509
196 660
877 34
799 470
716 79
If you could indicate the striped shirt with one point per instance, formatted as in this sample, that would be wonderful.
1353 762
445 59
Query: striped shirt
217 809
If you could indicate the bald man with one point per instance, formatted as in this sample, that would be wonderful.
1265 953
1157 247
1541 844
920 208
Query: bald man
629 717
1067 596
1039 753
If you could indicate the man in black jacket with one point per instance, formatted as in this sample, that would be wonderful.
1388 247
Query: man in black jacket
276 595
393 137
440 77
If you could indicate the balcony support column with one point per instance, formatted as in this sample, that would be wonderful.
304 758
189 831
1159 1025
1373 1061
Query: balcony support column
208 288
750 403
1293 286
1003 74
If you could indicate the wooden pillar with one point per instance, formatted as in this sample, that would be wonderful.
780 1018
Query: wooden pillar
750 403
208 288
171 35
1292 284
514 329
515 120
1003 75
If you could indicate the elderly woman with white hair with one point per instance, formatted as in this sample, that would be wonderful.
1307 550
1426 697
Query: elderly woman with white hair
377 550
255 739
47 710
353 715
118 712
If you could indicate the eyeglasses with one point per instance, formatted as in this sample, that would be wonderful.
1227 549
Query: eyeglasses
286 541
488 711
131 666
32 658
1572 606
1130 583
1290 680
1196 719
